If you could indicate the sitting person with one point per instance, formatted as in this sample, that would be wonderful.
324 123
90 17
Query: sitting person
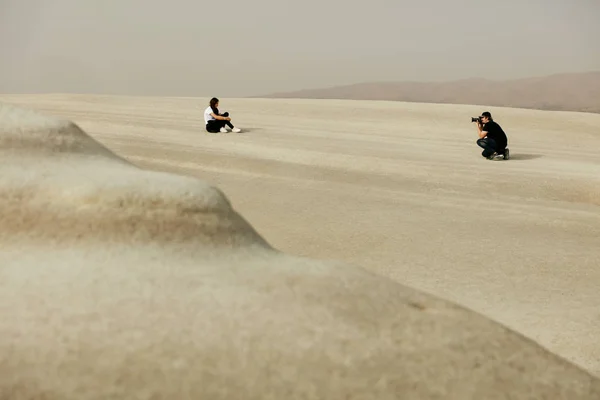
492 138
216 122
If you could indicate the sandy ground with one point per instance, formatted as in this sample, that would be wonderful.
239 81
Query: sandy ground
400 189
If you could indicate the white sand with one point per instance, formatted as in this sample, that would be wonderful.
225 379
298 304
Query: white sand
399 189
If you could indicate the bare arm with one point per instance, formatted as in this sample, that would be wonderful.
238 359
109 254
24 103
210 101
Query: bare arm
215 116
481 133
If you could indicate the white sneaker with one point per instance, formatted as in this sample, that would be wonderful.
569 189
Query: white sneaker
236 130
223 130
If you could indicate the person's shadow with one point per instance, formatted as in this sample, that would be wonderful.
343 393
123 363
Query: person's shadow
522 157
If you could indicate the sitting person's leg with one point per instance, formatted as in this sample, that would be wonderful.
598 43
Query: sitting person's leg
215 125
218 125
488 145
228 123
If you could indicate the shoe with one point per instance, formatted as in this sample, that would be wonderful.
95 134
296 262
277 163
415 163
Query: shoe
492 156
236 130
223 130
507 154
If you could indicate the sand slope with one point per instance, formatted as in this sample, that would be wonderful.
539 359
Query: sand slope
118 280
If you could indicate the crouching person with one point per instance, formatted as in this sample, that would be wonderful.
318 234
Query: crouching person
492 138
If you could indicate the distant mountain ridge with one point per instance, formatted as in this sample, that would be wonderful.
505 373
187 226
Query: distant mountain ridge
557 92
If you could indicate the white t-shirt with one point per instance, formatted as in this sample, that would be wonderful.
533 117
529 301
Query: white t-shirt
207 116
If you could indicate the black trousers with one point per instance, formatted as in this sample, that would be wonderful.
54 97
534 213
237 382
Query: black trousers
489 146
214 125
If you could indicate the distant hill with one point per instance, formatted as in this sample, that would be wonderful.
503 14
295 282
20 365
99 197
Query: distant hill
559 92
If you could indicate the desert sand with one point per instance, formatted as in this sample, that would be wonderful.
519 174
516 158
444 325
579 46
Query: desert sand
389 196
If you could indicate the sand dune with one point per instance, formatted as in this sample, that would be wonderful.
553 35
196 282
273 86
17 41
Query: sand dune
558 92
120 277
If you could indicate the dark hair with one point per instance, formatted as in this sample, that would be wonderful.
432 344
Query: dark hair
213 105
487 114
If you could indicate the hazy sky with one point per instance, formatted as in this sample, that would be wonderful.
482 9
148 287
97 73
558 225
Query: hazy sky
252 47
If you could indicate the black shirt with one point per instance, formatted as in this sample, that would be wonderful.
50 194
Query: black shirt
495 132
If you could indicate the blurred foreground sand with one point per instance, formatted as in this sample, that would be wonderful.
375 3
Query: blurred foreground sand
399 189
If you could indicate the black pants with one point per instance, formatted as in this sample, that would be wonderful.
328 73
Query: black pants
489 147
214 125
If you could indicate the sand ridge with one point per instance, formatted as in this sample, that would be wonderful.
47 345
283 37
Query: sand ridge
164 317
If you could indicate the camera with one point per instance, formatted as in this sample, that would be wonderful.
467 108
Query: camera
476 119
